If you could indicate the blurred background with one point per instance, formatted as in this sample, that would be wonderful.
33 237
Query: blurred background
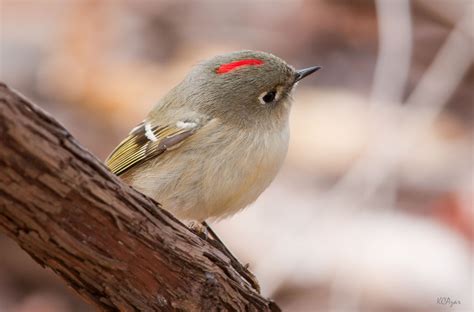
373 209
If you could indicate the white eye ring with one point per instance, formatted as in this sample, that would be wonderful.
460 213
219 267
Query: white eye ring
268 97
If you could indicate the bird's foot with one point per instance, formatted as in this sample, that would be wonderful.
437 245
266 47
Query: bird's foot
242 269
204 231
200 229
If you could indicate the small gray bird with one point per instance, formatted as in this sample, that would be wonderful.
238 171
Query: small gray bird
213 144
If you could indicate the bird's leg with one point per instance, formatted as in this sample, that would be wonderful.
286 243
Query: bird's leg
208 230
200 229
241 269
203 230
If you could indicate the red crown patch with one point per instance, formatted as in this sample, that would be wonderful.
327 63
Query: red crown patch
225 68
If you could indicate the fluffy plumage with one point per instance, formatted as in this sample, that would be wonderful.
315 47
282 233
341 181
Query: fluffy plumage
211 146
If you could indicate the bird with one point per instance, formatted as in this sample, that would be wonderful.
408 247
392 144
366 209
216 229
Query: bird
215 141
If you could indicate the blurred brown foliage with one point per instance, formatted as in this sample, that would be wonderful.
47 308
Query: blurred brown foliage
99 66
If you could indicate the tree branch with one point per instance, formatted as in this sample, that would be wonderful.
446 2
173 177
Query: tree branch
111 244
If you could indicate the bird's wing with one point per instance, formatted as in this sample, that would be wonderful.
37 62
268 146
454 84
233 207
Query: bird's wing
145 142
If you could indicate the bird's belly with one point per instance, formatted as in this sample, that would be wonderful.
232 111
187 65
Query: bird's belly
238 184
215 182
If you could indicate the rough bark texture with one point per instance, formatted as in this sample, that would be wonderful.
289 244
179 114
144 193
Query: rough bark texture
111 244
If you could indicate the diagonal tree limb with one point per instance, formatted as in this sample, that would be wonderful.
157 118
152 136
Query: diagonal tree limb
111 244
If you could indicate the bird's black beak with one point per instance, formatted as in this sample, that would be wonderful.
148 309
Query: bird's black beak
300 74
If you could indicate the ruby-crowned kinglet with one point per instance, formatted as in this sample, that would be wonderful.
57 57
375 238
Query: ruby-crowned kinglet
213 144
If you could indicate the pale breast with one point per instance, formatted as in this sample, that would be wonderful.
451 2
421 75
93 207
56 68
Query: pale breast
215 174
242 176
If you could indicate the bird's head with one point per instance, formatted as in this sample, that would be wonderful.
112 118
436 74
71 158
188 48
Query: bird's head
244 88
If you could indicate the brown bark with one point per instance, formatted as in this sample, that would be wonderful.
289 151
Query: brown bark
111 244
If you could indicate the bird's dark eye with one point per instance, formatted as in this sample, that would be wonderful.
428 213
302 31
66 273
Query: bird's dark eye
269 96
